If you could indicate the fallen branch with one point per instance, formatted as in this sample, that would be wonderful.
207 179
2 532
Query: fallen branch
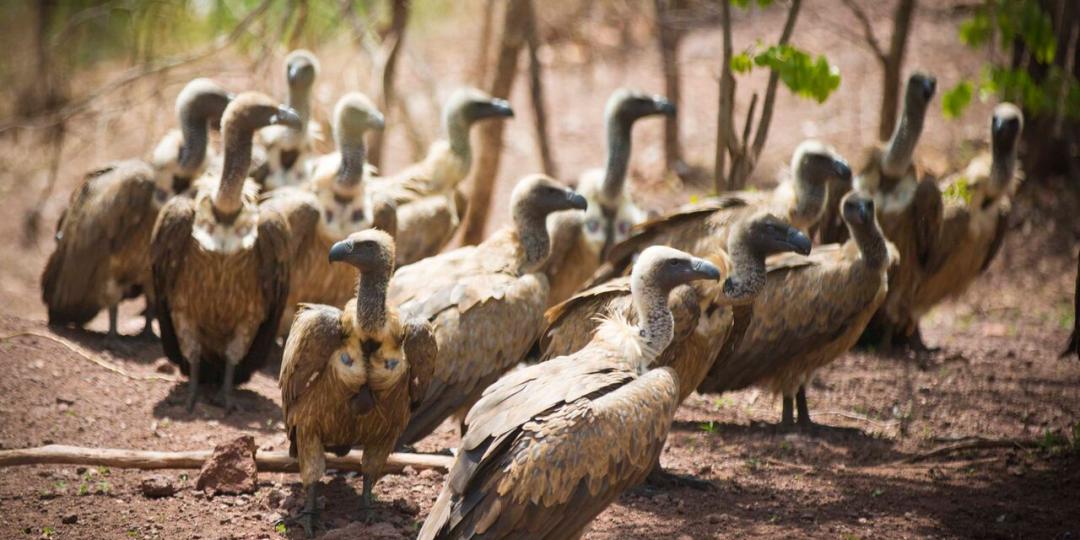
88 356
977 444
266 461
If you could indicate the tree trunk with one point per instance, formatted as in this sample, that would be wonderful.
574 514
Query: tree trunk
892 64
725 131
668 39
536 92
487 23
487 152
393 39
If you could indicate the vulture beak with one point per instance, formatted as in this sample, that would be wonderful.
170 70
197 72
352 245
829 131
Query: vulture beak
703 269
497 108
843 171
378 121
798 241
340 250
663 106
577 200
286 117
929 84
866 211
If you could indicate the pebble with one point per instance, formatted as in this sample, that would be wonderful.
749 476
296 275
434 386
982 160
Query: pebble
408 471
713 518
69 519
156 486
430 474
164 366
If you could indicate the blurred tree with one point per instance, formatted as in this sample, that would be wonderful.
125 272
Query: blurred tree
486 161
669 36
393 38
806 76
891 60
536 93
1034 62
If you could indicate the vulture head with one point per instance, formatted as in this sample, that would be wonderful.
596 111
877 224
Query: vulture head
814 167
662 268
467 105
626 106
370 250
354 116
181 155
534 198
858 211
755 239
606 224
918 92
1005 129
301 68
900 150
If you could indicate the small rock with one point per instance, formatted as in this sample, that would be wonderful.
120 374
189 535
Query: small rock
80 470
164 366
713 518
431 474
230 469
704 469
274 498
408 471
69 519
275 517
65 400
155 486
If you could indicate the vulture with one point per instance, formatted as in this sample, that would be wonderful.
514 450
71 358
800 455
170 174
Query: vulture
909 212
550 446
220 263
103 237
349 377
429 204
710 316
287 149
703 228
486 302
810 311
328 207
974 216
611 212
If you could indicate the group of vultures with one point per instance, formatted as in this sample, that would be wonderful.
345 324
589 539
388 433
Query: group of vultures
564 342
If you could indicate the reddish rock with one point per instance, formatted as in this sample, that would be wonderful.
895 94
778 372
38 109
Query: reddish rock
164 366
230 469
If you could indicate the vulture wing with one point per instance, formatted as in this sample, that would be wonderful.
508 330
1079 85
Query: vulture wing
301 210
928 217
316 333
272 250
172 233
999 236
571 324
421 350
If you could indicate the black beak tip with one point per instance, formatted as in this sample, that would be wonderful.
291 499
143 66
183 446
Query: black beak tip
339 250
665 107
843 170
577 201
799 241
502 108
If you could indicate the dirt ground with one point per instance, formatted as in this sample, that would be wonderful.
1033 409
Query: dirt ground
996 378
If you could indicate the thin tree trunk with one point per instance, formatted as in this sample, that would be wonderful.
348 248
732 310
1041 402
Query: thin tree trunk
486 160
668 39
266 461
893 63
770 91
487 24
725 131
536 92
393 39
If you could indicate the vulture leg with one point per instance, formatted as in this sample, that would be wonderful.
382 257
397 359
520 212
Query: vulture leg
663 479
804 410
148 316
193 384
225 395
309 516
787 417
915 343
366 502
114 333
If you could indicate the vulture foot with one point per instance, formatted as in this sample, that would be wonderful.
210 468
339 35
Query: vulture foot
309 516
661 479
193 396
226 401
367 501
1073 348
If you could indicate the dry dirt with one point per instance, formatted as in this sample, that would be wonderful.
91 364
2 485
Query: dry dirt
997 376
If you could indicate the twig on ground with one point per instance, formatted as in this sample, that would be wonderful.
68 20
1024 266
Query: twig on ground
976 444
88 356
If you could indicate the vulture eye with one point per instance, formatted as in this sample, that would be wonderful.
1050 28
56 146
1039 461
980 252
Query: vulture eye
592 225
346 359
357 215
329 215
673 262
623 227
391 364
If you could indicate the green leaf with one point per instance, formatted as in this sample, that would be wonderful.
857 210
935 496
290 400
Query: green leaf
804 75
976 30
956 100
959 190
741 63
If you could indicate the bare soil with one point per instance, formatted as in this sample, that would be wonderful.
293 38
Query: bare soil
997 376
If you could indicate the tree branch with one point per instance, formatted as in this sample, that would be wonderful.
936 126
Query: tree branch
770 90
867 28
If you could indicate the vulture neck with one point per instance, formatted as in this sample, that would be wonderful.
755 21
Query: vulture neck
457 130
353 156
618 160
809 200
228 201
1002 169
193 149
656 324
299 100
371 299
901 147
531 227
872 246
748 269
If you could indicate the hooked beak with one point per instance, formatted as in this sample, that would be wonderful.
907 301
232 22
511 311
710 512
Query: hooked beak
866 212
497 108
340 250
799 242
704 269
929 84
577 200
378 121
286 117
843 171
663 106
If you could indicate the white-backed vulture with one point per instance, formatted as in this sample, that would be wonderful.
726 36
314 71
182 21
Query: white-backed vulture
328 207
710 317
549 447
103 237
287 149
611 212
486 302
703 228
909 211
430 205
811 310
976 211
349 377
221 263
